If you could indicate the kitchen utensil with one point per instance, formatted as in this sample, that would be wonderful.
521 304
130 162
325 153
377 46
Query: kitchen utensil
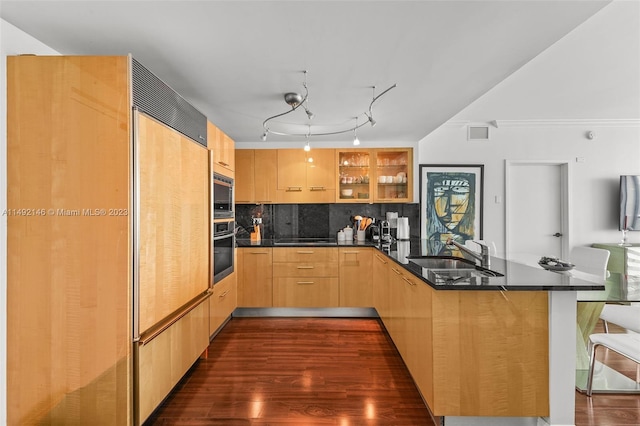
367 222
346 192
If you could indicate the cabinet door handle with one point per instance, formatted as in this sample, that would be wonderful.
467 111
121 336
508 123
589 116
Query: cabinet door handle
294 188
222 163
257 252
264 202
396 271
305 267
305 282
351 252
224 294
243 202
317 188
305 252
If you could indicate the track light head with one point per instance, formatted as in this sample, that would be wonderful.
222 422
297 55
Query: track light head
264 136
309 114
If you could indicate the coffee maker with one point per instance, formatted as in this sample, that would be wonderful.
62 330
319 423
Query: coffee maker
385 231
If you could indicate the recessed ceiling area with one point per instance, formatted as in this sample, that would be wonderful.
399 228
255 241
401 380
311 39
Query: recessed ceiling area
234 60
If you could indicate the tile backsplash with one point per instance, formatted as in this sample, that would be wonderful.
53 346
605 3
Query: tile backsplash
316 220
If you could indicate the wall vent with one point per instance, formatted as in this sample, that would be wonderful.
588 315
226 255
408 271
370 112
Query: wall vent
153 97
478 133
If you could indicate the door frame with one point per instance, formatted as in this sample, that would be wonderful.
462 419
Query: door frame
565 197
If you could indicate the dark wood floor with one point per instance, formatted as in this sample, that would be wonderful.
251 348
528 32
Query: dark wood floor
314 371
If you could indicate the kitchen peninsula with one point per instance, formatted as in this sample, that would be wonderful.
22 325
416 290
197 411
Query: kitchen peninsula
493 350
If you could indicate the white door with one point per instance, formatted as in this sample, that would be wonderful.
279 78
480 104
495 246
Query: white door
537 206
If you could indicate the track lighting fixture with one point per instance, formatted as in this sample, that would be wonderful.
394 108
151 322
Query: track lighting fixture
296 100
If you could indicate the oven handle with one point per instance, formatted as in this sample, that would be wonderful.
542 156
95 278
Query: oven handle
223 236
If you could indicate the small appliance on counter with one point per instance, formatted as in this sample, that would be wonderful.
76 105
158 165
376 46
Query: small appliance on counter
385 231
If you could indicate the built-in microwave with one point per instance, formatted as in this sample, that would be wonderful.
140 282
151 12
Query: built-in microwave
222 196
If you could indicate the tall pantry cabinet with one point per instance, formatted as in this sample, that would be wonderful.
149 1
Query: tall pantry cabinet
108 245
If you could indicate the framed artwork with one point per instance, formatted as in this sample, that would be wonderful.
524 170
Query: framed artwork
450 204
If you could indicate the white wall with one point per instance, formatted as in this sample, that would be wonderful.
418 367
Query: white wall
13 41
586 81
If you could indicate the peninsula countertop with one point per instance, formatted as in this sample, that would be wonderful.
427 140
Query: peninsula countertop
511 276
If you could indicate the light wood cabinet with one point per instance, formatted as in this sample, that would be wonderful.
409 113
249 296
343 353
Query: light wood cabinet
471 353
393 175
222 302
305 277
381 288
355 177
256 176
74 292
164 360
255 273
303 181
174 244
356 287
382 175
223 150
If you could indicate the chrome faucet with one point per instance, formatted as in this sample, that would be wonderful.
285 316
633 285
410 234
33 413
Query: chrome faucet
483 256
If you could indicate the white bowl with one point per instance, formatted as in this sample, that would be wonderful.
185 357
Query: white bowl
346 192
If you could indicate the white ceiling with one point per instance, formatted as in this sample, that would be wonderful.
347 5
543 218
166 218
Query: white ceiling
234 60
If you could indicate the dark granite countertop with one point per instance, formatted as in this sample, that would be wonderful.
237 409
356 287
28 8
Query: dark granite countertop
515 276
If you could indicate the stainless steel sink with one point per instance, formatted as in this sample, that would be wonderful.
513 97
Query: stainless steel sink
431 262
453 270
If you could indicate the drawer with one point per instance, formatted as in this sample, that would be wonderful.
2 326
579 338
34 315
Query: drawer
305 254
306 292
305 269
222 302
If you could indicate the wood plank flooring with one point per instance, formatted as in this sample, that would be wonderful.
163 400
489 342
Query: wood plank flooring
297 371
326 371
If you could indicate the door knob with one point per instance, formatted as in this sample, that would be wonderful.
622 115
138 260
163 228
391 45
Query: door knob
557 234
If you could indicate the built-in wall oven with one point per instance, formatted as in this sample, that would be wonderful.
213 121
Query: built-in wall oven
223 249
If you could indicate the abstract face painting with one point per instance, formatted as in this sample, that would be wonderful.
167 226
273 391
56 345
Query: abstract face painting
449 205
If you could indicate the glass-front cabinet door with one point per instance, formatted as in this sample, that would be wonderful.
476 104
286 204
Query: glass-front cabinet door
354 176
394 175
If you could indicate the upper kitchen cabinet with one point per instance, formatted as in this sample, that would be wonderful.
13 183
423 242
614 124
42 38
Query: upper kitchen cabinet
354 176
256 176
394 175
375 175
306 177
223 150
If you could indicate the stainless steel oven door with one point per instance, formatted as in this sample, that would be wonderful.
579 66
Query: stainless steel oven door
223 250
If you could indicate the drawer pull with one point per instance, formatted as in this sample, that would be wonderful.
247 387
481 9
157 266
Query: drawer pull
408 280
294 189
305 282
351 252
396 271
306 267
258 252
222 163
224 294
317 188
305 252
